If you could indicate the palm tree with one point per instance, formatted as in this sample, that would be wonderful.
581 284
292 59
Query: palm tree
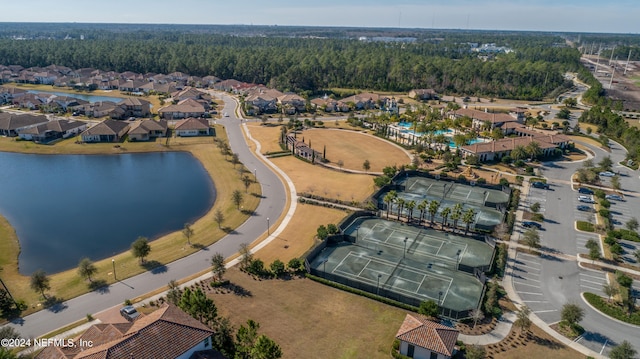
610 291
389 198
433 209
456 214
533 150
422 207
401 202
468 218
518 153
410 206
445 214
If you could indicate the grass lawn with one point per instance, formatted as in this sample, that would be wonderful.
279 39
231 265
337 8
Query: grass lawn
634 123
166 249
313 320
298 237
267 136
324 182
353 148
587 140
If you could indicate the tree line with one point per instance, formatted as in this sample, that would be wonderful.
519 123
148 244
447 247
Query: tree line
311 65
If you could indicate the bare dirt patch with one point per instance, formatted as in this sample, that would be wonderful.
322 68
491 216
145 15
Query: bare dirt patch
303 316
536 344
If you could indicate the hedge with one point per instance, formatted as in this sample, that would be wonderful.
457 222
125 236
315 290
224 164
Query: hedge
362 293
585 226
612 310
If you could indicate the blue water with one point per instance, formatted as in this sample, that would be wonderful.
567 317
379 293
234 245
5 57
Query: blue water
475 140
90 98
66 207
409 127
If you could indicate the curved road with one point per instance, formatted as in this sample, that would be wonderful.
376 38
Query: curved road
271 206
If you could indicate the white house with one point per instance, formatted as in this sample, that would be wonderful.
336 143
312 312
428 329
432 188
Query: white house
190 127
421 338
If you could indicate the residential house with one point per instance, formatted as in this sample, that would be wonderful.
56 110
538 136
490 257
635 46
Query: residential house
135 107
11 124
66 102
227 85
496 150
183 109
106 131
421 338
192 93
147 129
190 127
29 101
481 119
292 103
8 94
423 94
301 149
365 100
167 332
52 130
262 100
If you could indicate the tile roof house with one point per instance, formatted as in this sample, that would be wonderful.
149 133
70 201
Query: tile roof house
147 129
423 94
190 127
365 100
479 118
135 107
11 124
166 333
52 130
106 131
183 109
292 103
421 338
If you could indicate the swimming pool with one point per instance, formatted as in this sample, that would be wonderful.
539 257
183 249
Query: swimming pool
409 125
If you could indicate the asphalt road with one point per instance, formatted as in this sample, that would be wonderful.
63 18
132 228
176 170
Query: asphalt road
545 284
271 206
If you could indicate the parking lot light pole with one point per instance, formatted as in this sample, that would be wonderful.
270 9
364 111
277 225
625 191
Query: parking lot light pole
357 232
378 285
113 263
439 296
268 229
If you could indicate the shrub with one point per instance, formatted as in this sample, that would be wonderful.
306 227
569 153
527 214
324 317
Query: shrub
605 203
623 279
127 302
504 182
611 309
616 248
535 207
506 160
518 163
256 267
462 178
603 212
481 181
599 193
538 217
585 226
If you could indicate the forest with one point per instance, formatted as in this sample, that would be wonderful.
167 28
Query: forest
440 60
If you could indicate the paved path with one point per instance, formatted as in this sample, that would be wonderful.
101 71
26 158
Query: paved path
271 206
502 329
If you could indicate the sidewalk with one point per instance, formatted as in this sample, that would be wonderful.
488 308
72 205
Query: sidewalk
507 284
498 333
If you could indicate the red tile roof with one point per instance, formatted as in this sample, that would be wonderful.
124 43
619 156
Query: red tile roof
420 331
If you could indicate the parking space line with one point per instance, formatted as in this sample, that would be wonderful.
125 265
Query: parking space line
592 282
533 280
545 311
592 276
531 293
530 262
536 301
530 285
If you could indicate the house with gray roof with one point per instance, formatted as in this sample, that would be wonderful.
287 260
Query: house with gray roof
106 131
146 130
190 127
52 130
11 124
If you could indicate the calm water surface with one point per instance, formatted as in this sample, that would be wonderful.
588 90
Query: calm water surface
90 98
66 207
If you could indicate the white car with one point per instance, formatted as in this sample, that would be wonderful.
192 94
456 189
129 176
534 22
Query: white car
607 174
586 199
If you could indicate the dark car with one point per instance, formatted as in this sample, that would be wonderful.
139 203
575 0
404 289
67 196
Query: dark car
530 224
584 208
539 184
130 313
585 190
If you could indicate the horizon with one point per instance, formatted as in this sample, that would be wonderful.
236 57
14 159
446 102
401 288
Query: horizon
586 16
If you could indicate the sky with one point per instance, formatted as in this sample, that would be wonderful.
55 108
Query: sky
612 16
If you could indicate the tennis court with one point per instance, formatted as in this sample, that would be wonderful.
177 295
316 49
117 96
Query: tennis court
407 263
449 194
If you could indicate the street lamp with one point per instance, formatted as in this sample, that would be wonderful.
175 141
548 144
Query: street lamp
439 296
255 174
113 263
357 232
458 257
378 285
324 267
404 253
268 229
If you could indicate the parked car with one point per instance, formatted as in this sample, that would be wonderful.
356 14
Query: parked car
539 184
129 312
585 190
607 174
614 197
529 224
586 199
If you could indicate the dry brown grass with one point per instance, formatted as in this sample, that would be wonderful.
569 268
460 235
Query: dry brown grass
542 346
303 316
587 140
267 136
68 284
298 237
321 181
353 148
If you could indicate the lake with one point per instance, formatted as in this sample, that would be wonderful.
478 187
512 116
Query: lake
67 207
90 98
